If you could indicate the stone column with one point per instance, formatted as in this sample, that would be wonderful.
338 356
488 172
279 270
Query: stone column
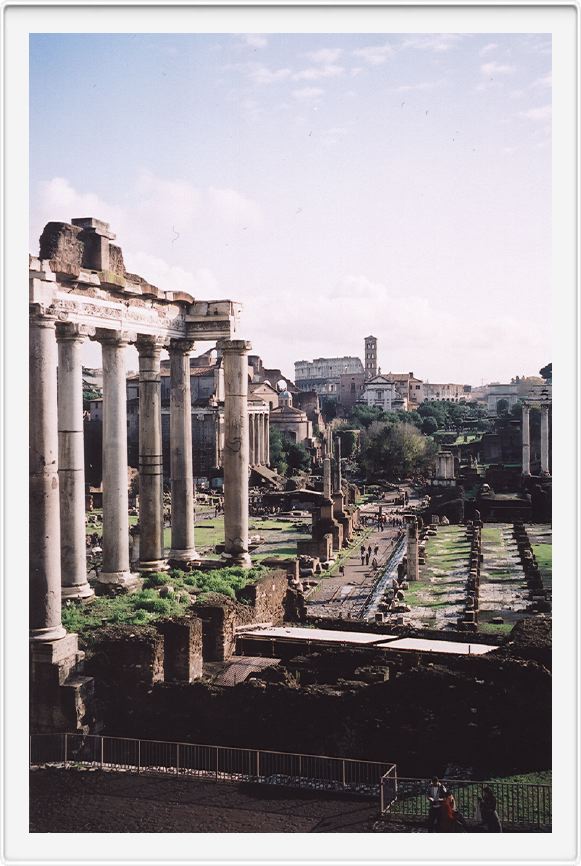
545 439
413 566
327 477
526 441
235 457
266 439
44 517
116 568
71 461
182 473
251 441
260 437
150 456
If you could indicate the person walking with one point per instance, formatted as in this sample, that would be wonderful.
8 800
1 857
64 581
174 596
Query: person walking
435 794
451 820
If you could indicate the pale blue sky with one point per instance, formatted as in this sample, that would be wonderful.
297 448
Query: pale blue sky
338 185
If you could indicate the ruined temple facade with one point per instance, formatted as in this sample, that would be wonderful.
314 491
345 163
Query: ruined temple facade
79 289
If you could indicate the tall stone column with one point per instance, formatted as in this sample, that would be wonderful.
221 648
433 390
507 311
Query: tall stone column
235 456
44 516
413 562
71 461
260 437
251 441
182 473
526 441
116 568
150 455
545 439
266 439
327 483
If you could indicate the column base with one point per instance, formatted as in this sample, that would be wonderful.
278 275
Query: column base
184 556
81 591
153 565
41 635
241 559
118 578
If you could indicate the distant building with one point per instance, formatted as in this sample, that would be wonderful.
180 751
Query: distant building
449 392
323 375
381 393
350 390
291 422
521 388
409 387
370 357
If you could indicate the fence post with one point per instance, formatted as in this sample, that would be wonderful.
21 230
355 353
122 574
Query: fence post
177 759
343 773
66 750
257 764
217 750
138 757
381 801
300 770
102 739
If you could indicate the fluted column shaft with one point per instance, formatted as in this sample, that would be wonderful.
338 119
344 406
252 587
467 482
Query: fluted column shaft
545 439
44 516
260 438
236 455
116 569
71 461
150 455
267 439
182 475
526 442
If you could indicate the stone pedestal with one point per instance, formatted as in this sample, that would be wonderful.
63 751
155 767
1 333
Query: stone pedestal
183 548
116 569
44 518
526 442
61 697
150 456
74 583
413 563
235 456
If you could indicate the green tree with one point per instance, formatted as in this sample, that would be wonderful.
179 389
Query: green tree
297 457
395 451
277 452
429 425
547 372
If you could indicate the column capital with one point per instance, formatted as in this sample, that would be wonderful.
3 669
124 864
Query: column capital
42 316
236 347
72 332
149 344
108 337
181 346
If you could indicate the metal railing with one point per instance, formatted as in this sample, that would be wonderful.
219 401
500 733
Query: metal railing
517 803
231 763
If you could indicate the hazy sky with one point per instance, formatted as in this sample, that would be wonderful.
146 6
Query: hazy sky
337 185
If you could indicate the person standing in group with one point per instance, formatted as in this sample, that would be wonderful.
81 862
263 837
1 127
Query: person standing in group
488 812
451 820
435 794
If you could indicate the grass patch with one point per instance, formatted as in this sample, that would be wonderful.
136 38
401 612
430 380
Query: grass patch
146 606
544 556
502 628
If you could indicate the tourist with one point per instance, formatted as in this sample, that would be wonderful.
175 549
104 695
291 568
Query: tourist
488 813
435 794
367 555
376 550
374 563
451 820
369 550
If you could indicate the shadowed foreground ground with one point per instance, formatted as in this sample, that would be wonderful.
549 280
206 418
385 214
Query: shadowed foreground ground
70 801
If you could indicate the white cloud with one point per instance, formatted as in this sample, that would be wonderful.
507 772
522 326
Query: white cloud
491 46
201 283
306 93
439 43
374 55
493 68
234 208
334 135
421 85
254 40
325 55
315 72
541 114
264 75
544 81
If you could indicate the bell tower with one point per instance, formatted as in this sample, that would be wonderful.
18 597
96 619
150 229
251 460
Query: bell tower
370 357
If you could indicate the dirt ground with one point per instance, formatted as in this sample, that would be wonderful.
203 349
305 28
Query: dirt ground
80 801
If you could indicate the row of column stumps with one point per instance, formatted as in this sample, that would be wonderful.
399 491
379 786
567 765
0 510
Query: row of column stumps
258 441
57 541
526 439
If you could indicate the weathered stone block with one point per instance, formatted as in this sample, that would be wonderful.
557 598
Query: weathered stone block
182 649
61 245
